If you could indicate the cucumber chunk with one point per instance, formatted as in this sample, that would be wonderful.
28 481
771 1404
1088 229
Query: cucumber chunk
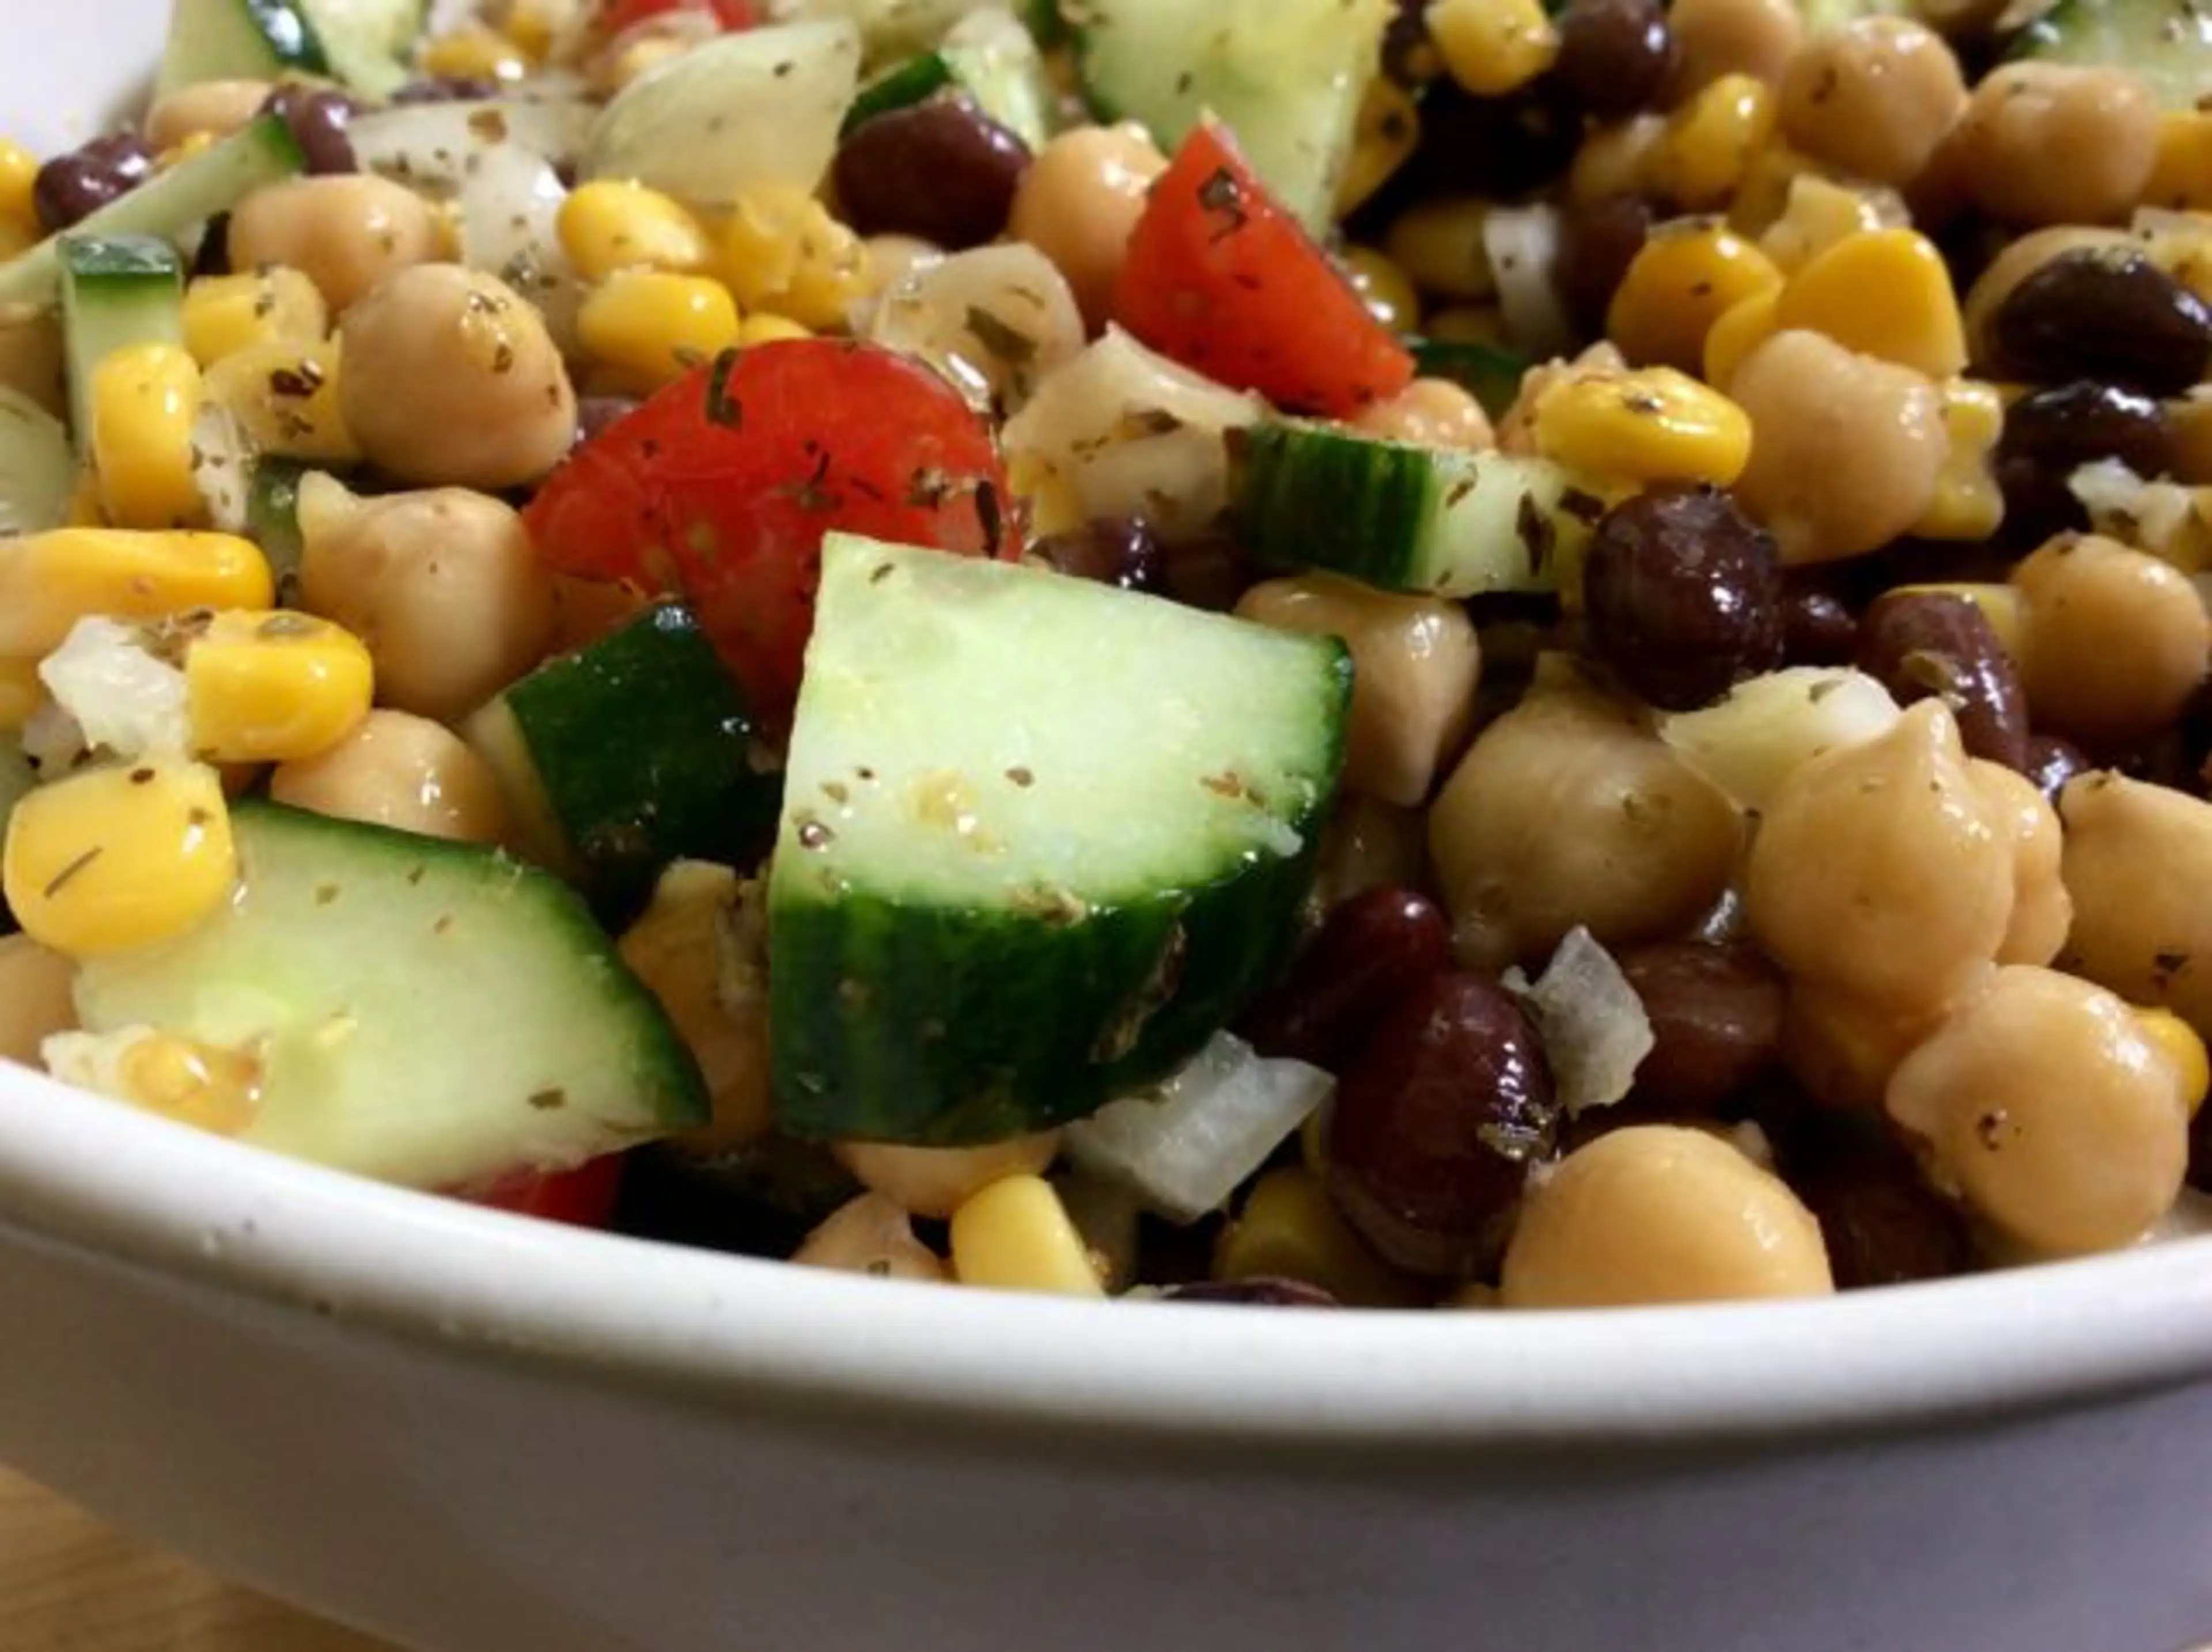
989 56
368 42
1403 518
1490 373
237 39
2165 44
118 292
631 753
179 200
38 471
1286 76
1040 839
427 1012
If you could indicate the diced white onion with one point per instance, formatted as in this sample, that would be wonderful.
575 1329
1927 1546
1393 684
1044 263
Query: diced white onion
118 694
2165 519
1768 727
508 211
1592 1023
1185 1145
223 467
436 147
1523 245
995 321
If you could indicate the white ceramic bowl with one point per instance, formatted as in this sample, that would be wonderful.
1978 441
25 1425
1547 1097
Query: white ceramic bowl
478 1434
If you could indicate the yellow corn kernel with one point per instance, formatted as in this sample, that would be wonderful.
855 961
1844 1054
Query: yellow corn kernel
225 314
1288 1230
19 172
1015 1235
2004 606
285 395
1653 425
1387 128
20 691
1491 47
84 507
1687 275
49 581
272 688
1387 290
1968 503
143 402
1438 243
2181 178
605 226
780 249
472 54
531 25
1740 331
110 858
1468 324
766 329
646 328
2178 1041
1816 214
1884 293
1710 141
1764 195
193 1082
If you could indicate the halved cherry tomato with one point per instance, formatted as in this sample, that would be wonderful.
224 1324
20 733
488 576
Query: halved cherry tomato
1221 278
720 487
619 15
584 1197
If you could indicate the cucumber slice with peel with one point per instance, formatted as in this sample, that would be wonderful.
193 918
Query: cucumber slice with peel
115 293
235 40
2165 44
1040 839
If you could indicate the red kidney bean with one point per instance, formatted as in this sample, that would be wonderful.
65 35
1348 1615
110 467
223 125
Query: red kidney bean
942 169
1210 572
2102 312
71 187
1254 1293
1598 240
1682 595
1818 627
1437 1121
1716 1015
317 118
1918 643
1371 953
1117 550
2050 433
2053 760
1882 1223
1615 55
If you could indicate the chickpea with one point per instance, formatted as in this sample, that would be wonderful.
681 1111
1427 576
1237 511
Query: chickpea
1568 810
1369 844
1414 663
346 233
211 109
870 1235
443 586
2116 639
1842 1050
2041 909
1847 450
701 948
2138 866
2021 259
1079 202
1874 98
934 1181
1658 1214
2052 143
452 378
1733 37
401 771
2045 1103
35 1001
1880 873
1429 413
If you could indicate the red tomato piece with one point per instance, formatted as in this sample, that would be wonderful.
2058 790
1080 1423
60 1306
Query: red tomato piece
720 487
731 14
1221 278
584 1197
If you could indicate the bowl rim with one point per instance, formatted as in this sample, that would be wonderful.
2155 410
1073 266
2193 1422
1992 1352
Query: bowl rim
122 1187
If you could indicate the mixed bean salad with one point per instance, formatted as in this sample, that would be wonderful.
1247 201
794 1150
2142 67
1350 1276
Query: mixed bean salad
1481 653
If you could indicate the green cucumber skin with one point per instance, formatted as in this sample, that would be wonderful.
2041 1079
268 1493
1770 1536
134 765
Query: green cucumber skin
1380 495
2167 44
913 82
1489 373
982 1045
238 40
117 291
272 510
667 745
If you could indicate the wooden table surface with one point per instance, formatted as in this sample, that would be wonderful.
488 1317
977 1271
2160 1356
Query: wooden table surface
69 1584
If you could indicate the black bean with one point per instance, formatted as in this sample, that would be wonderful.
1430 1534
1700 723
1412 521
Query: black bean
2200 1150
212 256
71 187
1598 240
1256 1293
317 118
1210 572
1682 595
1370 954
447 88
1818 627
594 413
1117 550
2052 761
942 169
1437 1121
1496 147
2050 433
1918 643
2102 312
1716 1015
1882 1223
1615 55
